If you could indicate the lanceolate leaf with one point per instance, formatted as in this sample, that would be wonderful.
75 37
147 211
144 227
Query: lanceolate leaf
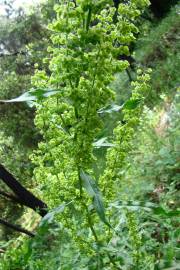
98 205
33 95
102 143
88 184
49 217
130 104
110 109
91 187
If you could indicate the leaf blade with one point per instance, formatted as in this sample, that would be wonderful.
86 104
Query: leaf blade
93 191
32 95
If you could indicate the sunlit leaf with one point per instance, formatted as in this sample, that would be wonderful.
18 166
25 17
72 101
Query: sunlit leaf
32 95
129 105
49 217
102 143
110 109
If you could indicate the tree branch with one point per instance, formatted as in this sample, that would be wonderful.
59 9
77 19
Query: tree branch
16 228
24 196
10 196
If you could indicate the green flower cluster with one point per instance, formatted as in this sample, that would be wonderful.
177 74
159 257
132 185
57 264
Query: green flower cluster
86 43
123 136
141 260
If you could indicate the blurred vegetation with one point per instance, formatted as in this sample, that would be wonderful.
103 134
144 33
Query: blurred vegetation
23 42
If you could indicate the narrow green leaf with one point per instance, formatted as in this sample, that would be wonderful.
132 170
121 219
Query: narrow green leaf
24 97
98 205
91 187
102 143
110 109
49 217
88 183
129 105
32 95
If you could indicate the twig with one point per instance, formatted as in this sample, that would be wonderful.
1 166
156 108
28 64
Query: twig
24 196
16 228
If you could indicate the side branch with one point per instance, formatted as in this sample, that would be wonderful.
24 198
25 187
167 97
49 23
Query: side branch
11 197
25 197
16 228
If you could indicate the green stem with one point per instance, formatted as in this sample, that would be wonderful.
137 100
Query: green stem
90 224
80 182
88 18
65 128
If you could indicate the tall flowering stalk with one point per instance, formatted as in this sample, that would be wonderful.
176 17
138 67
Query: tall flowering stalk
86 43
